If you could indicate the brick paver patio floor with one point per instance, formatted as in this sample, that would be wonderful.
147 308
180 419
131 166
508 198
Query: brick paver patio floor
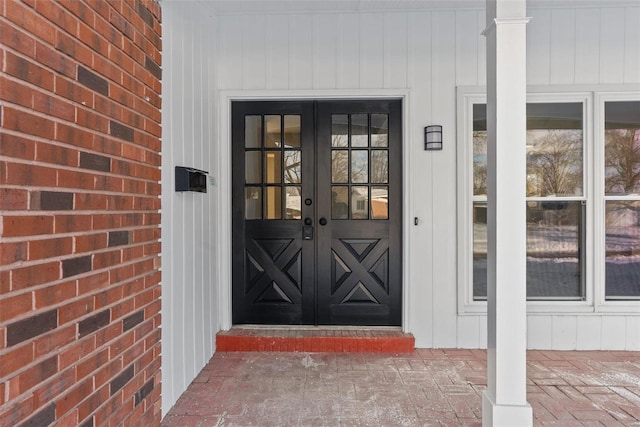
423 388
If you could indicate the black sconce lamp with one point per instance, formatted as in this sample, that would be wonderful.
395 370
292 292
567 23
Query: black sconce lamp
433 137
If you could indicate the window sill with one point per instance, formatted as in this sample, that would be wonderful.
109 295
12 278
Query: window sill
561 308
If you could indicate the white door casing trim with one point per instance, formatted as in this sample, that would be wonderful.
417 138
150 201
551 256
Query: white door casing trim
222 177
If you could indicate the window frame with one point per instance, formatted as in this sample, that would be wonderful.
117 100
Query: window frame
593 99
601 302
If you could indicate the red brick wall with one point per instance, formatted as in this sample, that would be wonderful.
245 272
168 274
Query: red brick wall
79 195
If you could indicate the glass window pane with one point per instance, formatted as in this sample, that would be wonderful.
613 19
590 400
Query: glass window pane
340 166
292 131
273 137
273 165
479 150
554 250
292 171
253 203
380 202
252 131
379 130
293 202
359 166
622 243
479 250
360 202
554 149
339 130
273 203
253 167
339 202
555 240
622 147
359 130
379 166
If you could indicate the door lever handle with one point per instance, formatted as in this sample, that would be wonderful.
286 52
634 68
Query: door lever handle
323 221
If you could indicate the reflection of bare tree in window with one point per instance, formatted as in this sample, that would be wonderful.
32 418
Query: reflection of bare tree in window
292 166
622 161
379 166
554 164
479 162
340 166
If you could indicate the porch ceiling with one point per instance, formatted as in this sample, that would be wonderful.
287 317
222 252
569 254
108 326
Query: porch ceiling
293 6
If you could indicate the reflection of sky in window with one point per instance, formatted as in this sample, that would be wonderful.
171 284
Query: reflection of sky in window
359 164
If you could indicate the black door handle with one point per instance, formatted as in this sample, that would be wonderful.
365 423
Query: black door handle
323 221
308 221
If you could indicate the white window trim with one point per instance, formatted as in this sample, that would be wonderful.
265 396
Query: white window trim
593 98
601 304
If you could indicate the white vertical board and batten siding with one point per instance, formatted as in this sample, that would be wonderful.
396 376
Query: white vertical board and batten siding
425 54
583 46
189 302
420 258
392 50
428 54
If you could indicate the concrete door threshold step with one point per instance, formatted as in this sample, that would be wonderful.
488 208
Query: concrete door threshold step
336 339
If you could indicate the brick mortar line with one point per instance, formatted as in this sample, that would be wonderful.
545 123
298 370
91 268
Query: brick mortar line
72 212
76 211
93 92
97 15
74 365
82 254
76 277
36 138
76 37
70 345
42 237
93 131
78 169
76 341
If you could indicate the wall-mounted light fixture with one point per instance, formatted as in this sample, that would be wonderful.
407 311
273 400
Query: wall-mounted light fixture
433 137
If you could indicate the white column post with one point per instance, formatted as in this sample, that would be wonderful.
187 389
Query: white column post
504 403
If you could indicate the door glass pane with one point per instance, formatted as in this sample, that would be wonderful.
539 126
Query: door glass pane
340 166
480 250
292 131
359 130
252 131
622 147
293 202
272 135
273 203
273 162
339 202
292 165
622 243
554 149
253 167
379 202
360 202
253 203
339 130
379 166
379 130
359 166
555 241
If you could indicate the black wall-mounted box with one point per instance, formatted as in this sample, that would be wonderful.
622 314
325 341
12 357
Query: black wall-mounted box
189 179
